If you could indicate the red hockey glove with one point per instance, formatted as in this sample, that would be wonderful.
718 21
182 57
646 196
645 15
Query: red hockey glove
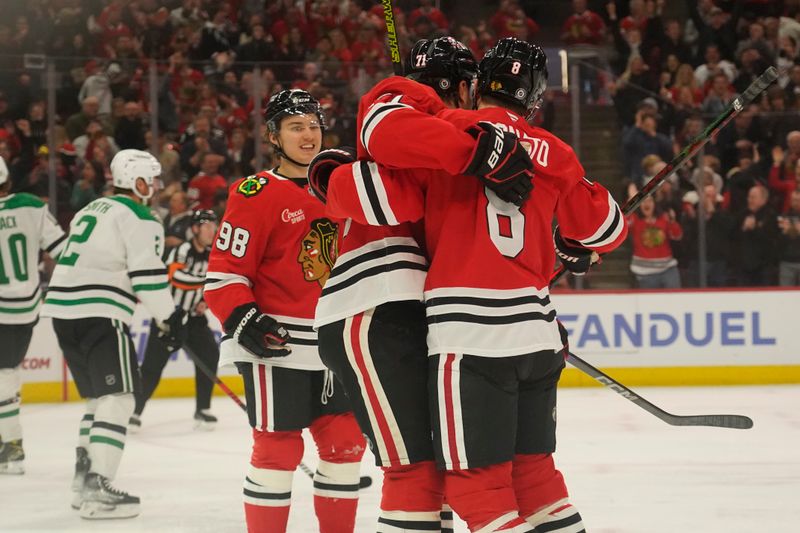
573 256
501 163
564 339
323 164
258 333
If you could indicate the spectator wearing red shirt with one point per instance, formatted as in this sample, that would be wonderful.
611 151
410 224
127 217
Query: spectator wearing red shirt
367 48
511 21
427 10
637 18
294 19
653 263
783 177
583 26
203 187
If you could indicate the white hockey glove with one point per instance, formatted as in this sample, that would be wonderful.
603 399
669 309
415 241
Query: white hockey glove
258 333
172 332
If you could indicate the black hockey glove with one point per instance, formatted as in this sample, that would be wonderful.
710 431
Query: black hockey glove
172 332
573 256
323 164
258 333
501 163
562 331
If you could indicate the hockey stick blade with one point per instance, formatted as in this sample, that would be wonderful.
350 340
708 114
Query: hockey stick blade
720 421
363 483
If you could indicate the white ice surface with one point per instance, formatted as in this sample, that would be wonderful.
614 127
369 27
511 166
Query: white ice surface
627 471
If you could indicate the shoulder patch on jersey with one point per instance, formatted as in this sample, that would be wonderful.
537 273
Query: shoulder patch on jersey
21 199
252 185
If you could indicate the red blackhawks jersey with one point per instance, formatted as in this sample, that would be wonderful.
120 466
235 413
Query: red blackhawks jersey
274 247
486 291
377 265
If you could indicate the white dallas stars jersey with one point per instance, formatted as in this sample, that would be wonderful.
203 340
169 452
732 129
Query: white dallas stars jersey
112 258
26 226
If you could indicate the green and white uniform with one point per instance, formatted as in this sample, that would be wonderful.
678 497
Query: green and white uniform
111 259
26 226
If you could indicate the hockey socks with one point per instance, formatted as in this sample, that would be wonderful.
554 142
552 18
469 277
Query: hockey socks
412 500
340 445
336 496
542 495
10 428
267 497
85 425
108 431
484 499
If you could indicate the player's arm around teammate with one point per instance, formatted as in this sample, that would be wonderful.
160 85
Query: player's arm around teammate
26 227
273 253
496 445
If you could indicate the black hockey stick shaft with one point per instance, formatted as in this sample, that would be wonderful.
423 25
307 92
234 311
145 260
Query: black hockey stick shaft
720 421
739 103
363 483
391 37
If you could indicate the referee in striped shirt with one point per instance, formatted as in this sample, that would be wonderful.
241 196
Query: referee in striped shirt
187 264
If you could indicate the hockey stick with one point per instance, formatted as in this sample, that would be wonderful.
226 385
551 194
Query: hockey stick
732 421
363 483
719 421
391 36
739 103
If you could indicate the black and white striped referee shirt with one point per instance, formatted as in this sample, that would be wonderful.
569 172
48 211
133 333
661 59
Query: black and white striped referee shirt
187 272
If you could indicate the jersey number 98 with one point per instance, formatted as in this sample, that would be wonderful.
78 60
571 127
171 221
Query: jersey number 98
235 239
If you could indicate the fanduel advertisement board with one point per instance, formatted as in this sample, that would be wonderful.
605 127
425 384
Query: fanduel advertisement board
683 328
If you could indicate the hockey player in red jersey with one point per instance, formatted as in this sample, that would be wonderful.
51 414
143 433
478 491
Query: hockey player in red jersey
370 317
494 344
273 252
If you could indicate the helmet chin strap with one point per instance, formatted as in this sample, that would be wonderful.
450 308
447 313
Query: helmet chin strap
281 153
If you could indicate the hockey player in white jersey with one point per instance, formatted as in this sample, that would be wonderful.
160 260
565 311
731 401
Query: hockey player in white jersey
26 226
111 259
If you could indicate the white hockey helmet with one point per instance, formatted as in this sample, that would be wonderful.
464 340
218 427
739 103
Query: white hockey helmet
130 165
3 171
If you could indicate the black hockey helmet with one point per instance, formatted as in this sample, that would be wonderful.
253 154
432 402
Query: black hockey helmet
291 102
201 216
441 63
514 72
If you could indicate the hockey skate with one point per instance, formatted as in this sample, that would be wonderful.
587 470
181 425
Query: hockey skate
102 501
82 464
12 457
204 421
134 423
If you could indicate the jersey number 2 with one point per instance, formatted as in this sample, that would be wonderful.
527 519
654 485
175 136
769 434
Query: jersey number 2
506 225
234 238
88 222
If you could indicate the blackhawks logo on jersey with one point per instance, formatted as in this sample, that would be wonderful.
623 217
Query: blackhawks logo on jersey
318 251
252 185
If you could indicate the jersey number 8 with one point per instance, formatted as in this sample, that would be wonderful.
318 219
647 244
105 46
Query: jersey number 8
506 225
234 238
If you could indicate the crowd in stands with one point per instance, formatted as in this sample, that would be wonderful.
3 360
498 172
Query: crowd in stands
217 60
670 78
